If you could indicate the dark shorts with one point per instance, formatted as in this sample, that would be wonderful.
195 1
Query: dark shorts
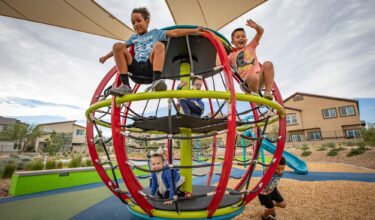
267 200
142 69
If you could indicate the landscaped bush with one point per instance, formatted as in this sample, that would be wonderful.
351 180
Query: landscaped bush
356 151
321 148
361 144
75 162
51 164
59 165
333 152
306 153
304 147
368 135
330 145
88 163
350 143
35 164
8 170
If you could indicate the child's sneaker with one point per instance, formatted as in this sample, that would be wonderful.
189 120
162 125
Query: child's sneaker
244 88
158 85
121 90
268 95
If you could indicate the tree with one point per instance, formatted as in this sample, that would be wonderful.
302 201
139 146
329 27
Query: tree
33 132
18 133
56 141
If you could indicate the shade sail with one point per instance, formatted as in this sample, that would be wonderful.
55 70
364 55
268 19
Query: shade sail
80 15
88 16
213 14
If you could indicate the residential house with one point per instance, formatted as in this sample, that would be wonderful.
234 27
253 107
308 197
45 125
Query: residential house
77 132
6 143
312 117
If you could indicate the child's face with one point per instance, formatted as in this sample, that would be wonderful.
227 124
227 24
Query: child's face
239 39
140 25
197 84
280 170
156 163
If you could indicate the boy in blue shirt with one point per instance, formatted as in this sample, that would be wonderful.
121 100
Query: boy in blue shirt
149 54
271 194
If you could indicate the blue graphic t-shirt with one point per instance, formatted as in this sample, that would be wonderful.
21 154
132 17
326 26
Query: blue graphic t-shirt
275 180
143 43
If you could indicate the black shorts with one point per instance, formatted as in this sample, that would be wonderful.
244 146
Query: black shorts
267 200
142 69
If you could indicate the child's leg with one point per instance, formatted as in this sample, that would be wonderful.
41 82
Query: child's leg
157 57
267 75
122 57
280 204
184 103
252 80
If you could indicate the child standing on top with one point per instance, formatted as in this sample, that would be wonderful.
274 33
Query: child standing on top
149 54
255 75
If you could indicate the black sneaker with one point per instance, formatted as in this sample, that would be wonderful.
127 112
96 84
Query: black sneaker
121 90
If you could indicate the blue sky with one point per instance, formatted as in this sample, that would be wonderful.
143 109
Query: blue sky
319 47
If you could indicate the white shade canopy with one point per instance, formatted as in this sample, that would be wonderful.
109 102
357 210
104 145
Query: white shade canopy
89 17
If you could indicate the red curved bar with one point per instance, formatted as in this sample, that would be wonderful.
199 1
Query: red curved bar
90 137
227 165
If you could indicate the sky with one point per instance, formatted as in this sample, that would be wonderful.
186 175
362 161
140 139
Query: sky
320 47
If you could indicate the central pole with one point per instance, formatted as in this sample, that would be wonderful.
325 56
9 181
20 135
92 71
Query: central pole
185 148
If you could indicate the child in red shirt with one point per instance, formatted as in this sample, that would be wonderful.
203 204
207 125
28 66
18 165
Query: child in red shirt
245 60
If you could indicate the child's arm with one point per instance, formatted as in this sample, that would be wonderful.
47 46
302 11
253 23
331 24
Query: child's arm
105 57
258 29
108 55
183 32
154 185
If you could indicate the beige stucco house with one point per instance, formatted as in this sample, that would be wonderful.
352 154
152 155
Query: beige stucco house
78 133
6 143
312 117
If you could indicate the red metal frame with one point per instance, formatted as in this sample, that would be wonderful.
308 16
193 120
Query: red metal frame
90 137
227 165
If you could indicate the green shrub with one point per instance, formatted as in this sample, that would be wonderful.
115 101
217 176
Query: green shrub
350 143
321 148
306 153
51 164
13 156
304 147
35 164
356 151
368 135
330 145
75 162
361 144
8 170
89 163
59 165
332 153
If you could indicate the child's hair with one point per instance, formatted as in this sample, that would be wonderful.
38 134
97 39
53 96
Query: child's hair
157 155
196 78
282 161
235 30
143 11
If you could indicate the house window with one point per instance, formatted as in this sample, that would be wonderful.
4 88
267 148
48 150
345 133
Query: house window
329 113
1 128
353 133
80 132
291 119
347 111
295 138
314 135
297 98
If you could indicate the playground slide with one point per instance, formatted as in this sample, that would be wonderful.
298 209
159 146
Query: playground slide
299 166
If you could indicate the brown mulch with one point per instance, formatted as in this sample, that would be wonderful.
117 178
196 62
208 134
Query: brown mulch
4 187
320 200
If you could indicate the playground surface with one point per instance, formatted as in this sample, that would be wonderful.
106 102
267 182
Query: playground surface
317 195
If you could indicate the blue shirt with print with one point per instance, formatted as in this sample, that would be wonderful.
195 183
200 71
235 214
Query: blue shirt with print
143 43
